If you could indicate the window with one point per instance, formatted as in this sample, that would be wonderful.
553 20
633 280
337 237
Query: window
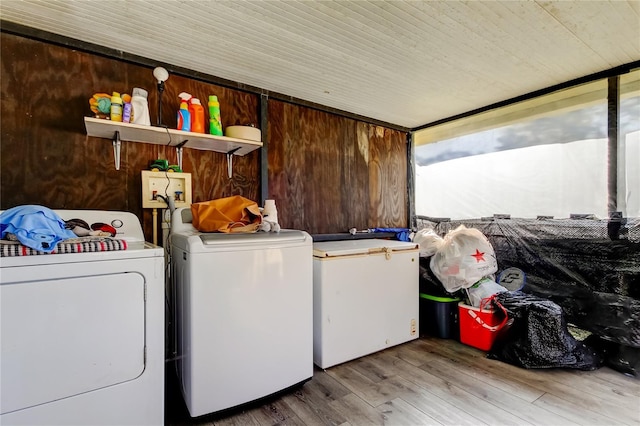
629 145
544 156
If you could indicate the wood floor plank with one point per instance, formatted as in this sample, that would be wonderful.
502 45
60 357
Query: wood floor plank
356 411
367 369
392 363
622 410
325 385
399 412
606 391
611 377
312 414
382 364
449 349
353 380
411 353
311 402
473 367
589 381
453 349
373 393
392 386
290 421
432 405
237 419
518 407
624 386
574 413
476 407
272 413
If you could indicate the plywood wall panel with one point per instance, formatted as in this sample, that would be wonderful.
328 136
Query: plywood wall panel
332 173
287 173
355 172
323 151
46 158
387 177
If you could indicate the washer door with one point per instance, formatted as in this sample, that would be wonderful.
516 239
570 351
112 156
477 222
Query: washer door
64 337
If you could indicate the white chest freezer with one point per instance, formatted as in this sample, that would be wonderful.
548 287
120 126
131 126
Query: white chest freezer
365 298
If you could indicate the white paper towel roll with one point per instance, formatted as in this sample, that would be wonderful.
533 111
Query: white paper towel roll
270 212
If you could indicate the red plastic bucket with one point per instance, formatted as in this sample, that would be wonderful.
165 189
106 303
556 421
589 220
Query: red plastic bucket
479 327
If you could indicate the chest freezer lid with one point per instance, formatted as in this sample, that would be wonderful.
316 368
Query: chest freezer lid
358 247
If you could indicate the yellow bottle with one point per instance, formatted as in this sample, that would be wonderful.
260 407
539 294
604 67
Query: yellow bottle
116 107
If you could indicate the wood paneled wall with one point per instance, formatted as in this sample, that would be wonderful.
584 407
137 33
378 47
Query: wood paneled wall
327 173
333 173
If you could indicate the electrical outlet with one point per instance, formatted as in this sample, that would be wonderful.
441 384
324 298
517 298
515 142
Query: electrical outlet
167 184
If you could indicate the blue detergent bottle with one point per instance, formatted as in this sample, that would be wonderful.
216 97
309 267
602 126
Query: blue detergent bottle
184 117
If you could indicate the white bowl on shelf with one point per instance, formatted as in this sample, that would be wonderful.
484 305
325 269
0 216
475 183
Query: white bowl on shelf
244 132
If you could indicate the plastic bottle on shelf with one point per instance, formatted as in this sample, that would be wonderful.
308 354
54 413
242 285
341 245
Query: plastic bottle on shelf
184 117
186 97
126 112
215 123
116 107
140 107
126 107
197 115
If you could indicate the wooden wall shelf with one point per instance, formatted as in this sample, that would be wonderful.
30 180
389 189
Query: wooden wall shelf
128 132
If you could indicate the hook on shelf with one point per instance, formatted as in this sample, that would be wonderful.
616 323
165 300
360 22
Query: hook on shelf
230 162
179 152
116 149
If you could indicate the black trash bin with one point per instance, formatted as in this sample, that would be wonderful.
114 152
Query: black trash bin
439 316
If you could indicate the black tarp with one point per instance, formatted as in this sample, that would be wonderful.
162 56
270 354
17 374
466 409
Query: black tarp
538 336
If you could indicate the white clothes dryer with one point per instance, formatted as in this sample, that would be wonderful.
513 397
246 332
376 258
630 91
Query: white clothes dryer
243 314
82 338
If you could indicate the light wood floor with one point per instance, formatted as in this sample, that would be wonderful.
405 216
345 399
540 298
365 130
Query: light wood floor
434 381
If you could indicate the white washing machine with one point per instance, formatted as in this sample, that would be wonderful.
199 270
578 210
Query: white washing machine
243 314
82 338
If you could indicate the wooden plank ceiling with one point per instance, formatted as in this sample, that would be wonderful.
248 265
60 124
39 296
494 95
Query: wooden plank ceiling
402 62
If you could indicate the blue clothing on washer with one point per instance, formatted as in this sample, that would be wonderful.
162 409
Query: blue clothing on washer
36 227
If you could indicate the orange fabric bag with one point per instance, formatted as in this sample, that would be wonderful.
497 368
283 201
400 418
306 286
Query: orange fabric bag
230 214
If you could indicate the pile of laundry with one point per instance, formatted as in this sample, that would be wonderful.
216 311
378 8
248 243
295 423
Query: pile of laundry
34 229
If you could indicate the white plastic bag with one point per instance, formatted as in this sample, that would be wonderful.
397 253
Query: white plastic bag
465 257
483 289
428 241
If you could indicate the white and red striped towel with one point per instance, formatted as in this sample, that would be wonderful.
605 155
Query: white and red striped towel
75 245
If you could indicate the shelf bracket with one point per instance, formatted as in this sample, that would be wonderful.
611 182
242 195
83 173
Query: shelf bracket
179 153
116 149
230 162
